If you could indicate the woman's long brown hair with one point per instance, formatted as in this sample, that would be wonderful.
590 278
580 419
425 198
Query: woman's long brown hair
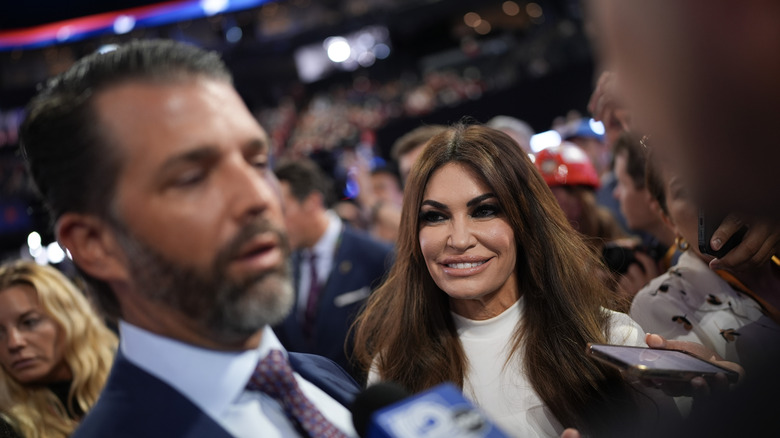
406 332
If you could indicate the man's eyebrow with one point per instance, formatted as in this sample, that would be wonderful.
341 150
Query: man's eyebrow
210 152
202 153
258 145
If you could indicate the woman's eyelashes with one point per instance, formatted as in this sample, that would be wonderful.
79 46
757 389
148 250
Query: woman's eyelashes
482 211
431 216
486 211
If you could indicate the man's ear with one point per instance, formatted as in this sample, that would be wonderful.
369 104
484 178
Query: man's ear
93 246
314 201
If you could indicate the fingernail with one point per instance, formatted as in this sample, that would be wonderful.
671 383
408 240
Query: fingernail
716 243
714 264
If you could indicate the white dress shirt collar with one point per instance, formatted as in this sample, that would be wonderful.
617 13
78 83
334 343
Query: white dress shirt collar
210 379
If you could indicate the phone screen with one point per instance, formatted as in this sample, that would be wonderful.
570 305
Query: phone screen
658 363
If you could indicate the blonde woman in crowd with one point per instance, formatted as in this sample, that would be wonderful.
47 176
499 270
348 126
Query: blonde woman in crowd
55 352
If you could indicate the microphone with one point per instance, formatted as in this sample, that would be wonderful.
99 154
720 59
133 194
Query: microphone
386 410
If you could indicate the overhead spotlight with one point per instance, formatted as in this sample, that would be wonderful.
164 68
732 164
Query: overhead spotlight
213 7
533 10
338 49
34 240
64 33
54 253
124 24
510 8
381 51
472 19
107 48
234 34
545 139
483 28
597 127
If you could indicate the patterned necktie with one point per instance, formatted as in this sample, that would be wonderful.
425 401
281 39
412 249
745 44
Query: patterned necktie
311 302
274 377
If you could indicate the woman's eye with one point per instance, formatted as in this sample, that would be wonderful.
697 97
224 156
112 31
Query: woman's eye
486 210
30 322
431 216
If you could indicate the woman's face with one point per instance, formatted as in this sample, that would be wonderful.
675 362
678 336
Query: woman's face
31 343
467 242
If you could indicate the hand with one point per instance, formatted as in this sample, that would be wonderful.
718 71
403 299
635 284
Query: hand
698 386
760 243
605 105
571 433
637 275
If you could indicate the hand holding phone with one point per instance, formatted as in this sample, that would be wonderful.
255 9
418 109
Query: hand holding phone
708 223
657 364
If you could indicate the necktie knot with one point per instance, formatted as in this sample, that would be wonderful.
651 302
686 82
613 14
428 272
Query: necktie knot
274 377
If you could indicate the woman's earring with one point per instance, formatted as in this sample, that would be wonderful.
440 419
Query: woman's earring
682 245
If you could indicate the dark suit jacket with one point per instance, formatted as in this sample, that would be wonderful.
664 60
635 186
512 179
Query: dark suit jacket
136 404
359 266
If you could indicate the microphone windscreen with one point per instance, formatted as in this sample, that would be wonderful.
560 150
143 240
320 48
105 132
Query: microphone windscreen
372 399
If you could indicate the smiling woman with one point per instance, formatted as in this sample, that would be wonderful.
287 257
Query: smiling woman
55 352
493 290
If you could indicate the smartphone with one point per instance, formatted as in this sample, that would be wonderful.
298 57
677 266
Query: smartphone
649 363
708 223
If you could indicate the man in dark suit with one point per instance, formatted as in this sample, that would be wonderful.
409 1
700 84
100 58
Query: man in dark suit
158 178
335 267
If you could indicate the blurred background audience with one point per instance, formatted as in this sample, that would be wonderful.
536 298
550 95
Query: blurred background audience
335 267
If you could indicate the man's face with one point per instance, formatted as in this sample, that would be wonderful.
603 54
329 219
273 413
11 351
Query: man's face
387 188
634 203
297 218
196 208
406 161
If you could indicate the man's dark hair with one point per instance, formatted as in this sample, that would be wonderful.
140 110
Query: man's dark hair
655 182
71 159
414 138
304 178
636 158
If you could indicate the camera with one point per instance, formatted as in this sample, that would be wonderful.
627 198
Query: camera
618 258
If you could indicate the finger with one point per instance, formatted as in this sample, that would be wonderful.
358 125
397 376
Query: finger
700 387
571 433
658 342
623 116
655 341
730 225
598 92
752 248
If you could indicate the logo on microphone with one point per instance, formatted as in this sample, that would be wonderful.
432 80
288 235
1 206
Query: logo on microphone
437 420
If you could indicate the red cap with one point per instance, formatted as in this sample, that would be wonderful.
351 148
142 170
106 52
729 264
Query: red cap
566 165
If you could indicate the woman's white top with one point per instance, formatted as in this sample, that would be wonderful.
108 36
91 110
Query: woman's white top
501 389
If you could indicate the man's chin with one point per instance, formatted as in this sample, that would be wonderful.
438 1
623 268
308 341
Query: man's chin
266 302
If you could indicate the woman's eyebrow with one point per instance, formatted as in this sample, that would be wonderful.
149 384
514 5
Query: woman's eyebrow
479 199
434 204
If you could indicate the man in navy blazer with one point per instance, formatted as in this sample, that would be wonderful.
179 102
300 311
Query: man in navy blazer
158 178
349 264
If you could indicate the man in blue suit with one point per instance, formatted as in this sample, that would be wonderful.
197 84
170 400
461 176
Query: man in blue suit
335 267
158 178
